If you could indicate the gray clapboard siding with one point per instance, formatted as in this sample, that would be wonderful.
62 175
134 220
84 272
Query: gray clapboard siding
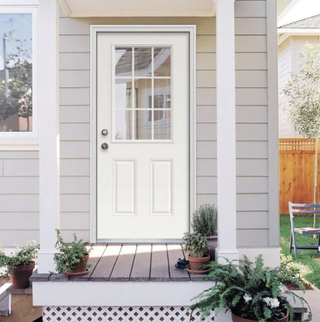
19 203
252 114
252 220
74 132
251 44
252 185
75 78
207 185
74 185
251 96
250 9
75 167
252 168
252 202
251 26
206 132
74 96
252 237
1 168
206 96
75 150
76 221
19 155
74 44
74 61
206 114
207 167
252 150
11 238
75 203
74 114
252 132
207 149
19 185
206 44
81 234
249 61
251 78
206 61
20 167
19 221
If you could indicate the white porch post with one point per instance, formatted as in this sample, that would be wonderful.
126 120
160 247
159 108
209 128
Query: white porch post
48 101
226 130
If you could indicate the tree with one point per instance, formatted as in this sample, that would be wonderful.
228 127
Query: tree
303 92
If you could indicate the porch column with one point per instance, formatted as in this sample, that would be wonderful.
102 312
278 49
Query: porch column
226 130
48 102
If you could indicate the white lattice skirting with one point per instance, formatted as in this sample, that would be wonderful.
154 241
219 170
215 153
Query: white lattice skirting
125 314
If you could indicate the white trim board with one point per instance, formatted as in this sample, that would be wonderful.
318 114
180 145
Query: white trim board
94 30
116 293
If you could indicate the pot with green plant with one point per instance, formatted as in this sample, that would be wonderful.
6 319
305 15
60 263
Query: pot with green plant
197 247
72 258
205 222
20 264
251 291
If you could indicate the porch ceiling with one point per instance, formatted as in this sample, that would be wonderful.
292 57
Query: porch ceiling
138 8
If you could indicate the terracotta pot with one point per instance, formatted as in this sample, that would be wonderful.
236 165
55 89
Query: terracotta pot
196 262
213 244
82 265
236 318
20 275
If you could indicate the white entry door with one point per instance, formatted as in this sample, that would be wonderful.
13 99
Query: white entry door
142 136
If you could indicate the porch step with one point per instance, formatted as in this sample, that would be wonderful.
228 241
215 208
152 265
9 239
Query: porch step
4 297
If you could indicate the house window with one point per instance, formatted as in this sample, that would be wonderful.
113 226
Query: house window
18 113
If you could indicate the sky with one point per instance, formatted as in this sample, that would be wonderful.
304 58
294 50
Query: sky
304 9
21 25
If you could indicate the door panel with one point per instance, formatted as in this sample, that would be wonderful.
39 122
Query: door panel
143 102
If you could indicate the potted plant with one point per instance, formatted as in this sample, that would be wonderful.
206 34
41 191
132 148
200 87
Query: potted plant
252 291
19 264
72 258
197 246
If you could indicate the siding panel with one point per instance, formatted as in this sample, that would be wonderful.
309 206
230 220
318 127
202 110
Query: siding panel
21 167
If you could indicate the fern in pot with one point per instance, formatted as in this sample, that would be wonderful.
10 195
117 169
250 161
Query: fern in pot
19 264
197 246
72 258
205 223
252 291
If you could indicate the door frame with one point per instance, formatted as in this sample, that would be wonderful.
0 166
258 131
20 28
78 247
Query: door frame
94 30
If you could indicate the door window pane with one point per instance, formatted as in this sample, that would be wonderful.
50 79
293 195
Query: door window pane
142 62
143 91
143 128
123 61
162 128
124 94
123 125
162 62
16 94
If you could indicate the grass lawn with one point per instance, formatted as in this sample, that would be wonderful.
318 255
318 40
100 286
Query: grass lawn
308 261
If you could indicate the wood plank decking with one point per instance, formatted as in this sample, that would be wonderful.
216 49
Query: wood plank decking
130 263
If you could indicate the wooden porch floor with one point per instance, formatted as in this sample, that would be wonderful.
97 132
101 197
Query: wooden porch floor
130 263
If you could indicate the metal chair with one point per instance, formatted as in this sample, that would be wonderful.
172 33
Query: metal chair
297 208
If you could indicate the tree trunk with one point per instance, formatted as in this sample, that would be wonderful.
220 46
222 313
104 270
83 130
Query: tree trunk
315 193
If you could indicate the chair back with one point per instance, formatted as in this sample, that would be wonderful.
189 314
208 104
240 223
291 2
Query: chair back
301 208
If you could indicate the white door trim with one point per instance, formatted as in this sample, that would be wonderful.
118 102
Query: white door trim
94 30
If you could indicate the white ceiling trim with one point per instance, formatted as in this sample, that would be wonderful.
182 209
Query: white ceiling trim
73 13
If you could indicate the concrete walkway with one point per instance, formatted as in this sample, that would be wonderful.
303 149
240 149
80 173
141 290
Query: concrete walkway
313 298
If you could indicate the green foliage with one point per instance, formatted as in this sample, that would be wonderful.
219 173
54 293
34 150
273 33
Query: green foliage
196 244
303 93
69 255
25 255
250 290
205 220
3 128
308 261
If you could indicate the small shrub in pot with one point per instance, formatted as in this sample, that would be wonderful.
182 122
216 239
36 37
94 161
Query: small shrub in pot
19 264
71 258
205 222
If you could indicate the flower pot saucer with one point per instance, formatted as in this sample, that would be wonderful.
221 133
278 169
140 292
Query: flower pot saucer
198 271
78 273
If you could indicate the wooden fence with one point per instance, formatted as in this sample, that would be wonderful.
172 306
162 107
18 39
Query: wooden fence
296 169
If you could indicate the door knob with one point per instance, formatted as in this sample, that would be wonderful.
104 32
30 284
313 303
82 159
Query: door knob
104 132
104 146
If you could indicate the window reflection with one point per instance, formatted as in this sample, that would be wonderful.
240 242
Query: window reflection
16 95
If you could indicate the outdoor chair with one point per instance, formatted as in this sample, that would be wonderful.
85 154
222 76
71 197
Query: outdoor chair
296 208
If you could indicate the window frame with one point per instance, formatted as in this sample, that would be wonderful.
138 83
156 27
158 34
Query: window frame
25 140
